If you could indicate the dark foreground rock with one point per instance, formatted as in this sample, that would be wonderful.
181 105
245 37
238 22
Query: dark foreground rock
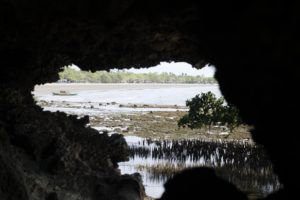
200 183
53 156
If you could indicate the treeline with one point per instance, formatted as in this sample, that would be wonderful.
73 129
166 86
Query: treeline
73 76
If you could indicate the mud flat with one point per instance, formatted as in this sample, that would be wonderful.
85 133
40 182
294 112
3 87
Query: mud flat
143 120
162 125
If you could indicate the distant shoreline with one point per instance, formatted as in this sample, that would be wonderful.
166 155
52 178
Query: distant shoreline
72 75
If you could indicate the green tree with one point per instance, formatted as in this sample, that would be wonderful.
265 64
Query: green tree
207 110
105 78
230 117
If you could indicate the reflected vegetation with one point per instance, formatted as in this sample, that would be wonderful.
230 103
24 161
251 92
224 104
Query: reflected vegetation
244 164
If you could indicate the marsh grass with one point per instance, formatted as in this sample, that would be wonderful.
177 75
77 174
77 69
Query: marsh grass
167 169
244 164
208 153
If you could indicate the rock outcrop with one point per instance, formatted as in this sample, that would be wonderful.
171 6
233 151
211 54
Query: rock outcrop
47 155
200 183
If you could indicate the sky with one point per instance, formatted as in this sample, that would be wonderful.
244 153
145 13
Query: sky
173 67
177 68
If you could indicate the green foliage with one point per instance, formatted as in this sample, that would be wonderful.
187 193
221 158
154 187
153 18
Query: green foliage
71 75
207 110
184 121
230 117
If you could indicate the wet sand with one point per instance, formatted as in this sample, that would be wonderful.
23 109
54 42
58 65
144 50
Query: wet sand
163 125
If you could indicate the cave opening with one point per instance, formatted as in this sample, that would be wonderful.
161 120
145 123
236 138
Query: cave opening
145 105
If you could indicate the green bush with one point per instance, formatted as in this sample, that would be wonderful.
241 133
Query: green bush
207 110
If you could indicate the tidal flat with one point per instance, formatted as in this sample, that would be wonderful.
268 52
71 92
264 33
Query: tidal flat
147 116
163 125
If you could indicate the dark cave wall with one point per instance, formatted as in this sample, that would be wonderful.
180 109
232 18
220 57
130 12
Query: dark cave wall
51 154
257 69
46 35
254 46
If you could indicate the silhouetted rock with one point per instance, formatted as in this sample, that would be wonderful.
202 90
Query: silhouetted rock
200 183
131 187
125 187
51 196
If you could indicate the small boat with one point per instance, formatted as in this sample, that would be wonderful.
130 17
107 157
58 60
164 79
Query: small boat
64 93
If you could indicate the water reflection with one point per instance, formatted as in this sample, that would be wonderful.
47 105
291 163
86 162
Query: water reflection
242 163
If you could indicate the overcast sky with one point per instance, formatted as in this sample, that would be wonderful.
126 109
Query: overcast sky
174 67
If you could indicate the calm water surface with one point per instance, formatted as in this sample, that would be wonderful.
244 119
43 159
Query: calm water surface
160 94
